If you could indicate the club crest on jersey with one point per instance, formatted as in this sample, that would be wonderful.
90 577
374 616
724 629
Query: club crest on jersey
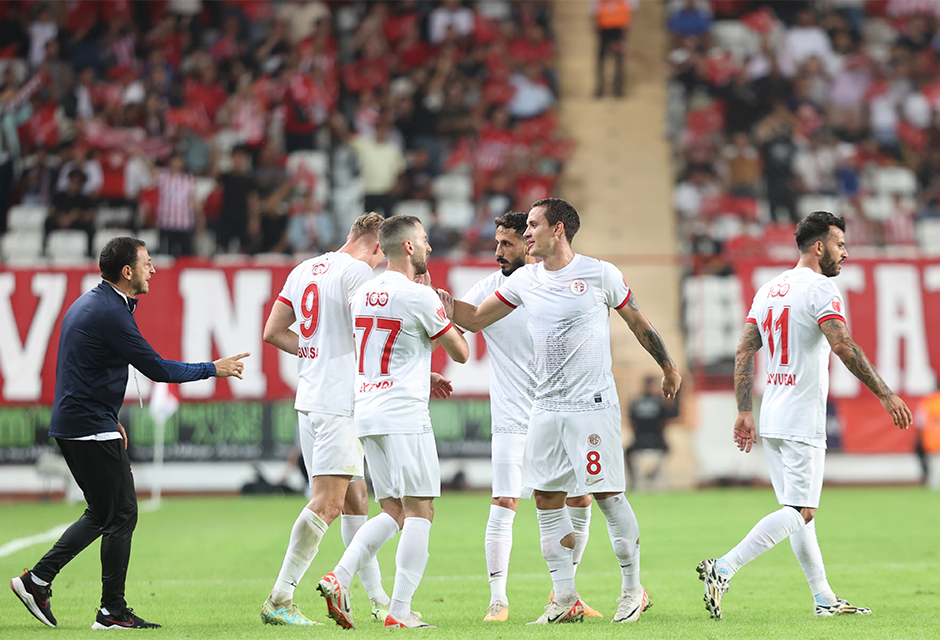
594 439
578 286
375 299
320 268
837 305
441 314
778 291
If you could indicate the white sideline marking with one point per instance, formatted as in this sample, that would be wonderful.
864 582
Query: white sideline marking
18 544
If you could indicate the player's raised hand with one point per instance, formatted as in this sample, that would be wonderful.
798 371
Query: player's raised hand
899 411
671 382
448 301
745 434
441 387
225 367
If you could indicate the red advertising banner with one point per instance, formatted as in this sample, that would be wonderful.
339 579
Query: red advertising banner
196 311
893 313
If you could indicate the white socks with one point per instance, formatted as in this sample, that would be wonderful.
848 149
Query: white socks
806 549
581 521
370 574
305 538
498 545
369 539
766 534
554 525
410 562
624 532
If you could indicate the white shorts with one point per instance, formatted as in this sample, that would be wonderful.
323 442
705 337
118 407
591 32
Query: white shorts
574 452
329 445
796 471
403 465
507 452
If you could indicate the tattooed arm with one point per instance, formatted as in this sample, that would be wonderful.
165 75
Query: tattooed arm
857 362
650 340
745 432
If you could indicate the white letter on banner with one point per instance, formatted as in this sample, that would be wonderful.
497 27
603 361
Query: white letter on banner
901 318
842 383
209 318
21 364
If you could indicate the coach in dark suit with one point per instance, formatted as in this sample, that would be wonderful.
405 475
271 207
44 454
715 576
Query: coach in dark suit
99 338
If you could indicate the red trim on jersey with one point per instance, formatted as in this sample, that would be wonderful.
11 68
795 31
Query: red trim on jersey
442 331
831 316
504 300
749 319
285 301
620 306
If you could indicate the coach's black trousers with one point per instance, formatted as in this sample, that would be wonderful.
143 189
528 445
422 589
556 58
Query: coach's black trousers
103 471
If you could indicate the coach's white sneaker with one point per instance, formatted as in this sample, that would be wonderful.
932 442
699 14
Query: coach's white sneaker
631 604
839 608
558 613
715 586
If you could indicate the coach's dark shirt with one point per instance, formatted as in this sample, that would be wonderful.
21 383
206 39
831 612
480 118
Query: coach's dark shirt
99 339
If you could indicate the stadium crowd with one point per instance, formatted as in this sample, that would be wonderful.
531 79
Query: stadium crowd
778 109
252 126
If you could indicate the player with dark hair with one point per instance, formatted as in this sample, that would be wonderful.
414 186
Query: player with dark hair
574 433
799 316
99 338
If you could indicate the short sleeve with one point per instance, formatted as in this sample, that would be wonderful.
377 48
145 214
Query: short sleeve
429 311
290 286
826 303
509 291
616 291
358 274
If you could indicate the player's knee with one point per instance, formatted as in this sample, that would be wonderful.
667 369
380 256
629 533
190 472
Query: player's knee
506 503
568 541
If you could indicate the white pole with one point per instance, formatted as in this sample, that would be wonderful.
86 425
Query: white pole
156 487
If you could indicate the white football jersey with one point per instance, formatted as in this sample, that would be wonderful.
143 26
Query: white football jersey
319 291
395 320
512 362
569 322
788 311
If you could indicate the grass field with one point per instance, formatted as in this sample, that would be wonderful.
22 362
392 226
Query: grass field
203 566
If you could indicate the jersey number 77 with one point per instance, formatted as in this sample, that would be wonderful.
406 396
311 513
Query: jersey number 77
391 327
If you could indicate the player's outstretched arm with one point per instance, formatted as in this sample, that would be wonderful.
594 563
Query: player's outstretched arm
277 330
650 340
231 366
455 345
857 362
474 318
745 433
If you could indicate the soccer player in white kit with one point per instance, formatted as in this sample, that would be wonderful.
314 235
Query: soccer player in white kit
398 325
512 392
316 295
574 436
799 317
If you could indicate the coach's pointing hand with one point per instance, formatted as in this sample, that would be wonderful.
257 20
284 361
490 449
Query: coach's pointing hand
231 366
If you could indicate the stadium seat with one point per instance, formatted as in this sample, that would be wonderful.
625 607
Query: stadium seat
455 214
810 203
204 186
420 209
26 217
151 238
114 217
453 186
928 236
889 180
878 207
67 246
22 247
102 236
735 37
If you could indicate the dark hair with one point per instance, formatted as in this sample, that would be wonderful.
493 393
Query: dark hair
117 253
558 210
394 231
815 227
78 173
515 220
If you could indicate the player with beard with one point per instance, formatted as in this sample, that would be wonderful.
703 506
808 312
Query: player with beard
398 324
512 392
799 317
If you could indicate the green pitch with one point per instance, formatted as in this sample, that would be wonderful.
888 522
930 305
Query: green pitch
202 568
